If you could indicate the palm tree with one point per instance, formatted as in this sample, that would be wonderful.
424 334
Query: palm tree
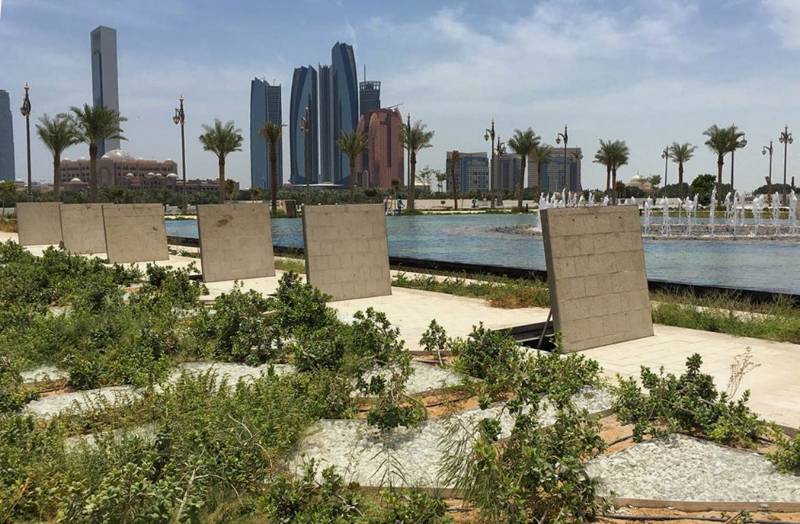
680 154
620 154
455 159
737 142
221 139
352 145
603 156
95 125
523 143
542 154
719 141
414 138
58 134
271 132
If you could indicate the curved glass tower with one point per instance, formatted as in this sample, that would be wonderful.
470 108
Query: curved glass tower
6 139
304 155
344 98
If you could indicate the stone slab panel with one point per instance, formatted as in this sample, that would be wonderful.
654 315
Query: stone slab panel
38 223
135 233
235 241
347 250
596 274
82 228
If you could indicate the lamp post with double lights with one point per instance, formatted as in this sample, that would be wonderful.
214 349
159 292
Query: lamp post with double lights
305 127
764 150
565 138
180 119
489 135
26 112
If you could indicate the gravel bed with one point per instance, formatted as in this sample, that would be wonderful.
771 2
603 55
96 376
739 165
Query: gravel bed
424 378
81 400
358 451
43 374
684 468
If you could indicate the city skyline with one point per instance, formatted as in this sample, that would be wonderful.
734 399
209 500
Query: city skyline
449 66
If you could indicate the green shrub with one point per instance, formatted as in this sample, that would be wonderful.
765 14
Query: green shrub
13 393
787 457
689 403
237 329
493 357
299 306
410 507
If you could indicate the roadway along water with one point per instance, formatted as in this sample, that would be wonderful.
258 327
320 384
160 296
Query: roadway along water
760 265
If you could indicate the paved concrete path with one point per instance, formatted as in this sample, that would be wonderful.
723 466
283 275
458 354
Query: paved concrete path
774 385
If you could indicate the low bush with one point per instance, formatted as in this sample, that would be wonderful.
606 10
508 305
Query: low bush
787 455
237 329
299 306
13 393
689 403
493 357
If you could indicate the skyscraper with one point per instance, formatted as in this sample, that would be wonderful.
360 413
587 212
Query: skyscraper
382 160
6 139
265 106
105 85
554 175
509 166
325 124
471 171
369 94
304 156
345 105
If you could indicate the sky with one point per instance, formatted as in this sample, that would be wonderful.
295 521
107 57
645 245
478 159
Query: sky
650 72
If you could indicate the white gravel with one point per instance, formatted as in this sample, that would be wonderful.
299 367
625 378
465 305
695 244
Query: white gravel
81 400
424 378
357 451
43 374
684 468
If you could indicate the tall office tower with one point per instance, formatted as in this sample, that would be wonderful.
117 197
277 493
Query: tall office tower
555 176
265 106
304 143
471 171
369 95
105 85
345 105
6 139
508 172
325 124
382 160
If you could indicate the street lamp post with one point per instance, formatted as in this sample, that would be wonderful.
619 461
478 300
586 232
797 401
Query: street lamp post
26 112
785 138
180 119
764 150
665 156
565 137
305 127
489 135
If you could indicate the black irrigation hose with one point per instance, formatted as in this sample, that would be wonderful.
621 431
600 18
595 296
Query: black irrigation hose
664 518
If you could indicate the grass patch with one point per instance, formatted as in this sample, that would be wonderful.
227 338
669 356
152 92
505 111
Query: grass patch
498 292
8 225
296 265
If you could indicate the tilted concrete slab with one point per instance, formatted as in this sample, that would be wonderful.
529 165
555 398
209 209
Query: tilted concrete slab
39 223
135 232
235 241
82 228
596 275
347 250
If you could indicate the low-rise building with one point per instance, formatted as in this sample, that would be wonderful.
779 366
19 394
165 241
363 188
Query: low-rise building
471 171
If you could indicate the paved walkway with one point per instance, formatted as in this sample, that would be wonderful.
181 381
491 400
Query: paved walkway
774 385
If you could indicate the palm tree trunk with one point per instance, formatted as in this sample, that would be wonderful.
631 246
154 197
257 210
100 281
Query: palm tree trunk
732 153
412 176
93 172
680 178
273 183
522 163
352 177
614 182
455 187
720 163
608 177
221 180
57 177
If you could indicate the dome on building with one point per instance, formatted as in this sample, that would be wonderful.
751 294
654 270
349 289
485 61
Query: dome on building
172 175
76 179
119 154
159 174
130 175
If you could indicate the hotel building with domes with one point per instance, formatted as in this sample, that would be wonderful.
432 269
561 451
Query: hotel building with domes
118 168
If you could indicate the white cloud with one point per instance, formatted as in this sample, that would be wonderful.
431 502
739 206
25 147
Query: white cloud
785 21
